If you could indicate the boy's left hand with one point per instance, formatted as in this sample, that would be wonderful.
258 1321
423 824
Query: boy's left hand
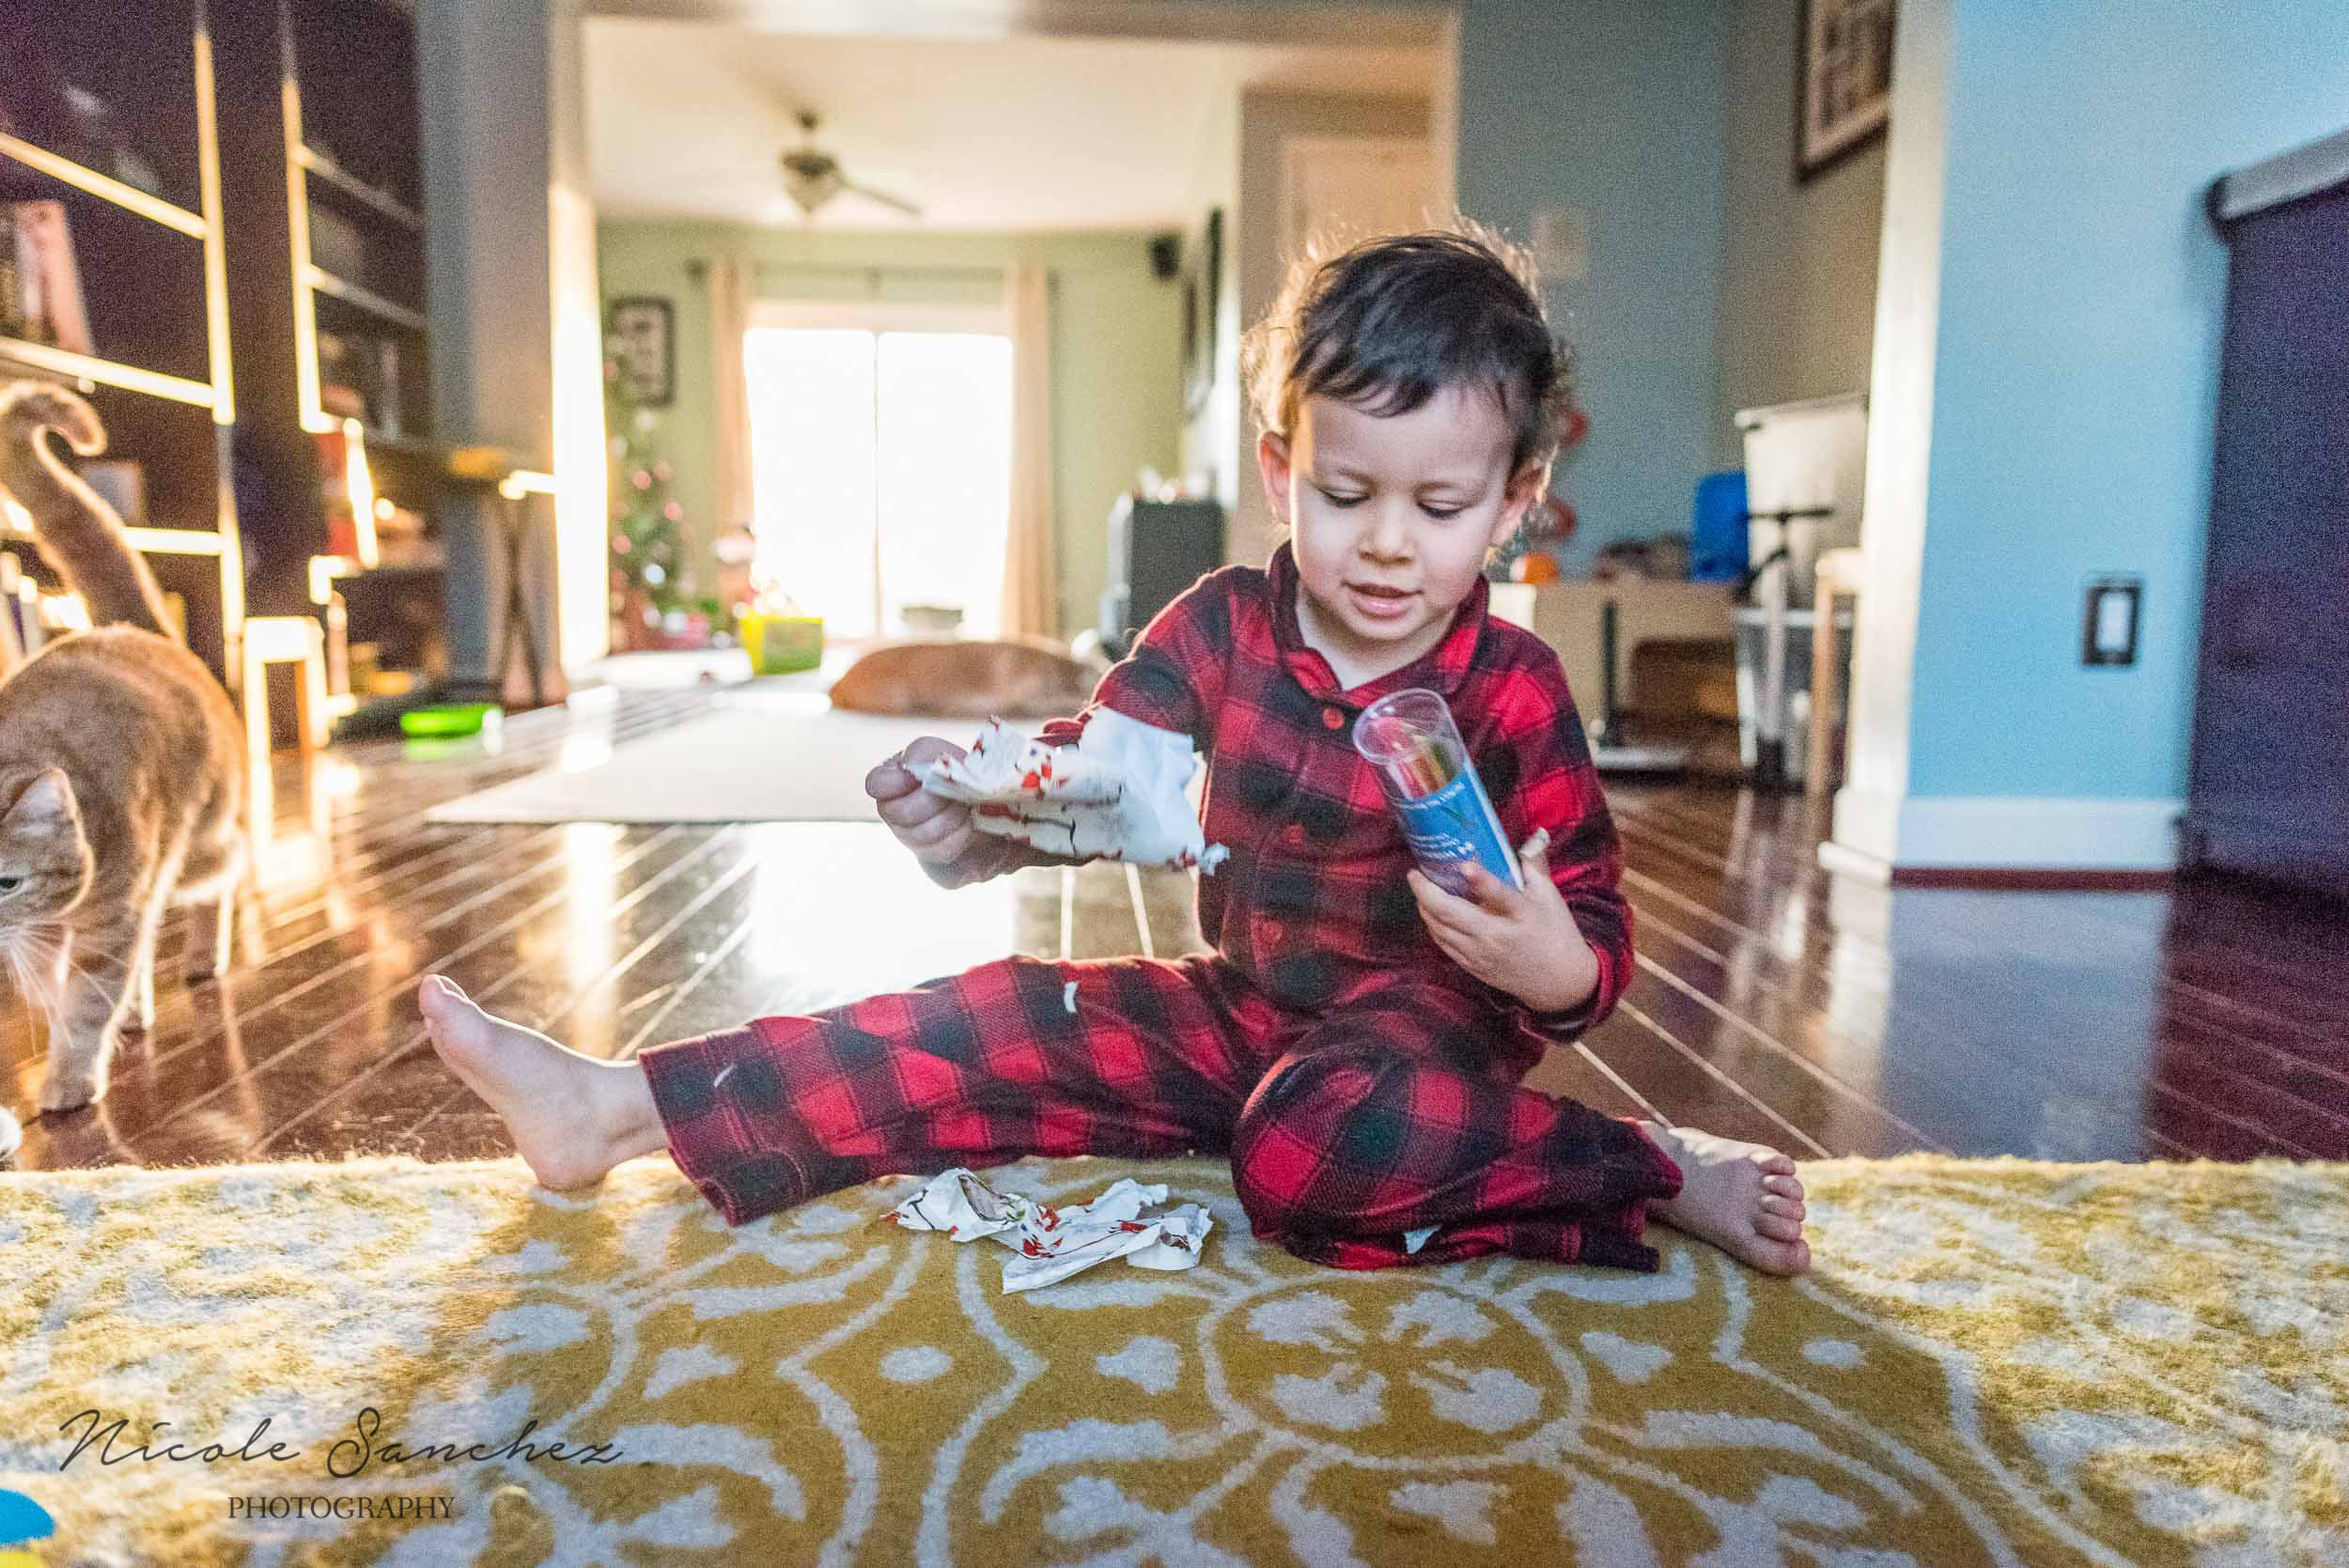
1524 942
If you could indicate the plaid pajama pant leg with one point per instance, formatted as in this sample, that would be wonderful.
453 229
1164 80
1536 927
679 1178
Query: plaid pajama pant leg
1403 1111
975 1069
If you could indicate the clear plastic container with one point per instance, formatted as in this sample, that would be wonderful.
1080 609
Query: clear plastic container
1431 785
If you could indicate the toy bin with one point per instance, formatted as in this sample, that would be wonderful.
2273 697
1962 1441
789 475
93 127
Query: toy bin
779 645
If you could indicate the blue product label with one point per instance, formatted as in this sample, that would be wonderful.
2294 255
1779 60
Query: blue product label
1452 827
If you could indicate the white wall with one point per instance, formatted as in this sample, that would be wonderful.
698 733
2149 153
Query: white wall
510 262
1613 109
1900 435
1267 123
1211 435
583 549
483 72
1115 330
2046 364
1798 260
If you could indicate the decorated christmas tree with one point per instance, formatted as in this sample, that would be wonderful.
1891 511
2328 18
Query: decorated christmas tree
648 542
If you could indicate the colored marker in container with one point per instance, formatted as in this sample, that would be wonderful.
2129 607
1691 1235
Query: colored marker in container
1447 819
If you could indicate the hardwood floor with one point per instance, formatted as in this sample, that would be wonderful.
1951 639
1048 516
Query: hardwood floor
1772 1001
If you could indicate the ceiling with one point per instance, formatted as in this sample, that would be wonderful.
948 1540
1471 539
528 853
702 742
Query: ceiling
685 119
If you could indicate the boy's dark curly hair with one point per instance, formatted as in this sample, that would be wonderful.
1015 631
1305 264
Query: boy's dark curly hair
1385 324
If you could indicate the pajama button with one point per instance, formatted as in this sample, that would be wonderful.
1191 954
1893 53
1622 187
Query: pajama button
1269 933
1292 833
1331 719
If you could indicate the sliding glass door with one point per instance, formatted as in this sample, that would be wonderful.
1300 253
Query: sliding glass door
881 467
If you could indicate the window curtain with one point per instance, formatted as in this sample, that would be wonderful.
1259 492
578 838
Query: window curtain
1031 561
730 281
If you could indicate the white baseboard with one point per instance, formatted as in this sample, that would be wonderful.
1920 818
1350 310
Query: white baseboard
1868 822
1841 860
1999 832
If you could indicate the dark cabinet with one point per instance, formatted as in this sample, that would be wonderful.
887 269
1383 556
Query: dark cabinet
2268 792
1157 550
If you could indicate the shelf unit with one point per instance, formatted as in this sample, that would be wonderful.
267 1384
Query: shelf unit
373 303
149 244
94 372
328 225
107 187
318 166
357 236
357 243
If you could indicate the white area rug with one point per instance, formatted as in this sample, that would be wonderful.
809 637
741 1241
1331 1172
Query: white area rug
773 757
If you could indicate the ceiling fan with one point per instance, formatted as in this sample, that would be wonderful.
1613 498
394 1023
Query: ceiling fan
812 177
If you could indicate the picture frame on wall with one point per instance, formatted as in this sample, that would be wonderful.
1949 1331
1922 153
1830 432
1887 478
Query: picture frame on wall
642 336
1843 81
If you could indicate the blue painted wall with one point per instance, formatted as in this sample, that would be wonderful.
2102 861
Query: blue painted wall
2077 380
1613 107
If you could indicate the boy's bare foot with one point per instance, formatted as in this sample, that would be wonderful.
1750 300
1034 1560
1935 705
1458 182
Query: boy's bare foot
1743 1198
573 1117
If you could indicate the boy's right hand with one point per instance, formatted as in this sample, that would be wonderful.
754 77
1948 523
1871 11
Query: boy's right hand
938 830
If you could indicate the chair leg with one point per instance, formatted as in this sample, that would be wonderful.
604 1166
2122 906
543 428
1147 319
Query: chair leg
256 697
1814 779
311 703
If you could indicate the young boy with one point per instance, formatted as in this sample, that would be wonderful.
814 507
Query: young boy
1357 1040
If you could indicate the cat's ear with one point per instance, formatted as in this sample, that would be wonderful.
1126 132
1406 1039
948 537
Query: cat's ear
46 803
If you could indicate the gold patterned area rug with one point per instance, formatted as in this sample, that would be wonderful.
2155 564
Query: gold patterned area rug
390 1362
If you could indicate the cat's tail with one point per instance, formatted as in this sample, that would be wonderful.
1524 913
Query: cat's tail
77 533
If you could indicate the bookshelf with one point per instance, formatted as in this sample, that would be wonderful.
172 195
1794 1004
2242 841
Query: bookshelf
327 217
119 128
355 167
355 217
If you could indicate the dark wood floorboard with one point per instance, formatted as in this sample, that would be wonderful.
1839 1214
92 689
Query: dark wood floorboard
2081 969
1771 1000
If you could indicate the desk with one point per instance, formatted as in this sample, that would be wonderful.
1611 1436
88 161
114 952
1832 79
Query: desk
1566 617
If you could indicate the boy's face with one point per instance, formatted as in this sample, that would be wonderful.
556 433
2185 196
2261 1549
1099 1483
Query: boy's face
1391 518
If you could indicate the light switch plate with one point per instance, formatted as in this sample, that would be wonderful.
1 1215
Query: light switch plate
2108 624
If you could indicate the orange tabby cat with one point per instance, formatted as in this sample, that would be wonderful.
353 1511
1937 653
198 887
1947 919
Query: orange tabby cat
121 773
1024 679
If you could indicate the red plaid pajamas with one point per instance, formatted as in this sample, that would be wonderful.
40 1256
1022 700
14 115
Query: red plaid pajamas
1363 1084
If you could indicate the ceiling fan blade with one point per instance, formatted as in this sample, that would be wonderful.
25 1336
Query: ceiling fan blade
910 210
746 175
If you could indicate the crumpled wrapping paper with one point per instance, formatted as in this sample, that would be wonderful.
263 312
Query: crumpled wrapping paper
1119 793
1056 1243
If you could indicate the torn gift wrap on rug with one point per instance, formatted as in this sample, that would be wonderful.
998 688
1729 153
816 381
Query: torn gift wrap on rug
1056 1243
1119 793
